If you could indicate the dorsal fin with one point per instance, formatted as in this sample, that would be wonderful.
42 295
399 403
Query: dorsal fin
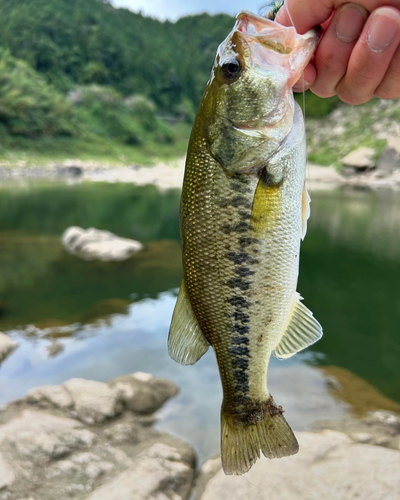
186 341
302 331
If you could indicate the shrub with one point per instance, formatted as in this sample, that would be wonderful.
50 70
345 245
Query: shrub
29 106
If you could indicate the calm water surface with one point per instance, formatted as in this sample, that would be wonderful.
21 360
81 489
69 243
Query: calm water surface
113 318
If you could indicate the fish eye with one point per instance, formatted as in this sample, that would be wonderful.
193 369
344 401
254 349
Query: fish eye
231 69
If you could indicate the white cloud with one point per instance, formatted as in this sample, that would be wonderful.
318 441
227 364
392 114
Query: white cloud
173 9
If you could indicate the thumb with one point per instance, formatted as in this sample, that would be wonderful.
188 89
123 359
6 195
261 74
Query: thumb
304 14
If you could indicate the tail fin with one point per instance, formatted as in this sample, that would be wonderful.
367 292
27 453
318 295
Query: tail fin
259 426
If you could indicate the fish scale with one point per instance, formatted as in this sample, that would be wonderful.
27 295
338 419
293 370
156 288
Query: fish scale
243 212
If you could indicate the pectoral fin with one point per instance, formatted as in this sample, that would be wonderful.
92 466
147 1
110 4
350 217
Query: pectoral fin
305 213
186 341
302 331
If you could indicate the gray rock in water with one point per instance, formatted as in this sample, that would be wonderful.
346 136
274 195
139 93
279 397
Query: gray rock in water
143 393
159 472
329 465
360 160
70 171
7 346
93 244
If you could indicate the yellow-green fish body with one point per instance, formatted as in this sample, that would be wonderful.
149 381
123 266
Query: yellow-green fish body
243 213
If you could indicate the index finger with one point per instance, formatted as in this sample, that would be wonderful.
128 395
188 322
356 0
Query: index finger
306 14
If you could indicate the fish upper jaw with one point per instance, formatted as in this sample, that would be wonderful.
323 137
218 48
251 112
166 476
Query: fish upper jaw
275 47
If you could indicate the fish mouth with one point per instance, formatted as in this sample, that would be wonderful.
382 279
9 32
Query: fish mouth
275 46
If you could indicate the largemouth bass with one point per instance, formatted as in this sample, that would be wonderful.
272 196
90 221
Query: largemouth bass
244 210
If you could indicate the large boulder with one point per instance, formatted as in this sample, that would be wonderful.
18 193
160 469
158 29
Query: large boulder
93 244
159 472
7 346
94 402
328 465
81 440
359 160
39 437
143 393
89 401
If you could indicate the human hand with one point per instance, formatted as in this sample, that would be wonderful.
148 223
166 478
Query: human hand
359 53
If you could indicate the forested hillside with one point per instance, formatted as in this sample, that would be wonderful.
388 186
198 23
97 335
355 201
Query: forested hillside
79 77
89 42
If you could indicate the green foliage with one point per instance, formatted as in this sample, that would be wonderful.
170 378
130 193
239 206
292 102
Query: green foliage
89 42
28 105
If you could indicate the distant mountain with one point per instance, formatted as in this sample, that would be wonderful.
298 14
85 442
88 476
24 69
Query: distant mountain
89 42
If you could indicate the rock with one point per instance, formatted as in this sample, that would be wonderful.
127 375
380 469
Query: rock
51 395
360 160
394 444
161 471
328 465
40 437
70 171
129 430
361 437
94 402
7 346
386 418
93 244
207 472
7 476
54 348
389 160
143 393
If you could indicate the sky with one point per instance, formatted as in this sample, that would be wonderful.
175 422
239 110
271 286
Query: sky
173 9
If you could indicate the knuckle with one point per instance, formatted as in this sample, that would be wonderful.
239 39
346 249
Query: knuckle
383 93
351 96
327 60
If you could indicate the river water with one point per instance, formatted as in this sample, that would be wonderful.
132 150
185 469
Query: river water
111 319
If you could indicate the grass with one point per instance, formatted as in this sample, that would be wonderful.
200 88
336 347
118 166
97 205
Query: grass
14 150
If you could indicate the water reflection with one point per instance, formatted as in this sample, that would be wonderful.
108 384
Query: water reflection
113 318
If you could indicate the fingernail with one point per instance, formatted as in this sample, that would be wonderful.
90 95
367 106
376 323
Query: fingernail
301 86
350 22
385 23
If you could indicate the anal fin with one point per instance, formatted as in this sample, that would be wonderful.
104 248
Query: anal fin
186 341
302 331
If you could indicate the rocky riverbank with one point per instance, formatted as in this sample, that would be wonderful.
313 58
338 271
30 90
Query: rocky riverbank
170 176
88 440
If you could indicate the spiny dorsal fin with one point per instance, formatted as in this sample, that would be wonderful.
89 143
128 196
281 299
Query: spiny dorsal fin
186 341
302 331
305 212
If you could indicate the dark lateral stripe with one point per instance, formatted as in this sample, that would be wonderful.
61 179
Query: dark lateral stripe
241 399
240 340
245 241
240 201
244 272
240 350
239 302
241 317
240 363
239 283
240 329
